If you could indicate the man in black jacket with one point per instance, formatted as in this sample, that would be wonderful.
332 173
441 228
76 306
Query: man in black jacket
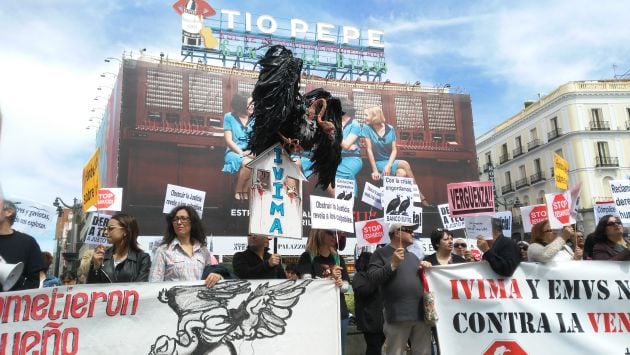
503 256
256 262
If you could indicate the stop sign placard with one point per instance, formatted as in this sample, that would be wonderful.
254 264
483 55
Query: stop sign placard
537 214
105 199
505 347
561 209
373 232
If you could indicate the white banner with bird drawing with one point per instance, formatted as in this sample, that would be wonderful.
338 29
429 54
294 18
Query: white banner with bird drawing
233 317
398 199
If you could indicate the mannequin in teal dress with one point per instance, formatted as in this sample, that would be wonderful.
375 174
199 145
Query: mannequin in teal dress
237 125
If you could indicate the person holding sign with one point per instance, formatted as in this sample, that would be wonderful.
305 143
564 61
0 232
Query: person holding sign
124 261
256 262
610 243
236 126
397 273
503 256
546 246
183 255
321 260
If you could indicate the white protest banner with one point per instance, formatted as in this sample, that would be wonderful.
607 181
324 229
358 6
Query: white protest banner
96 229
230 245
473 198
173 318
506 219
563 307
372 195
621 195
397 199
108 199
559 210
450 223
330 213
532 215
179 195
478 226
602 208
344 189
373 231
34 218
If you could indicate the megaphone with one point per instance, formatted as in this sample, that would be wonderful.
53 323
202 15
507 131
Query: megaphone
10 274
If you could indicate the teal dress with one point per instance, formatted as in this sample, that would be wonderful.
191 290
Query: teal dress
351 162
240 136
382 147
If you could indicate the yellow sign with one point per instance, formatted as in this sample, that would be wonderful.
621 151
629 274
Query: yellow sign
91 181
561 172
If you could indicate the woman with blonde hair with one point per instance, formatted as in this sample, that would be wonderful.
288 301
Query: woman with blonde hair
547 246
321 260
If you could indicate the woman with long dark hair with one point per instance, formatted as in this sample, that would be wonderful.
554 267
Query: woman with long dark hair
183 254
124 261
610 243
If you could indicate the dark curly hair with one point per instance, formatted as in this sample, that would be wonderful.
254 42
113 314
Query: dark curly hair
363 261
600 230
437 235
197 230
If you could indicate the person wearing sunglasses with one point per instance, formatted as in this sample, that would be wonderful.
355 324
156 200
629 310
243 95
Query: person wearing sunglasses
610 243
461 248
523 246
124 261
183 254
547 246
442 242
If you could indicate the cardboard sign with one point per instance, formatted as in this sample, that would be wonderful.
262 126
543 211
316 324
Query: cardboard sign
532 215
559 210
479 226
398 199
179 195
96 231
506 219
91 181
450 223
34 218
372 196
344 189
621 195
561 172
371 232
601 209
330 213
474 198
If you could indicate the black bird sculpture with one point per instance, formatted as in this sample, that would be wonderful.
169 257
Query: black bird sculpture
404 205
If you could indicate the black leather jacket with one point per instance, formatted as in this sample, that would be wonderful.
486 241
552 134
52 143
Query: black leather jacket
133 269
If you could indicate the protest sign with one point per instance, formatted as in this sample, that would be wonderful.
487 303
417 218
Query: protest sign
173 318
34 218
397 199
450 223
561 172
372 195
109 199
91 181
471 198
621 195
532 215
372 231
506 220
600 209
179 195
96 229
330 213
344 189
478 226
559 210
562 306
416 213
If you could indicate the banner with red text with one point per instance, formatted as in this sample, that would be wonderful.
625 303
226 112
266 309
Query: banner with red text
233 317
564 306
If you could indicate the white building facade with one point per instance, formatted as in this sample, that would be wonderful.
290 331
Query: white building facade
586 122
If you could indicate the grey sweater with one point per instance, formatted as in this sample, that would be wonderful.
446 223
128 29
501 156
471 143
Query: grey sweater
401 288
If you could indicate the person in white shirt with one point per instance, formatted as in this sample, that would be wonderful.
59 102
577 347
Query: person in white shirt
547 246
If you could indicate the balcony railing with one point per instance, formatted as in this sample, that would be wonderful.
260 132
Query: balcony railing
599 125
554 134
521 183
487 167
539 176
507 188
553 173
516 152
503 158
601 162
533 144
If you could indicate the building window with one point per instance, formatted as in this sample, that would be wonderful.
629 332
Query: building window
559 152
508 178
197 120
172 118
533 133
154 116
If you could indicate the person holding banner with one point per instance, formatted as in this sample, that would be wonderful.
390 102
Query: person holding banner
442 242
397 273
237 125
503 256
124 261
321 260
460 248
183 254
610 243
256 262
368 303
546 246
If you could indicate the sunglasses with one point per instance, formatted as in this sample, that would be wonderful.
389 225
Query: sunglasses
183 220
459 245
615 223
407 230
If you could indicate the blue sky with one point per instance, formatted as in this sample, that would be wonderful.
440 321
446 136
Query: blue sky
502 53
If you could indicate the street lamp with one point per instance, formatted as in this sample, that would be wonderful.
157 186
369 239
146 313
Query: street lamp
109 59
105 74
71 254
